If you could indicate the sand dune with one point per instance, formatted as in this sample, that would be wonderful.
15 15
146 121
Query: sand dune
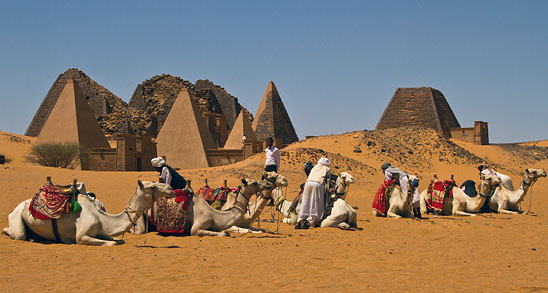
486 252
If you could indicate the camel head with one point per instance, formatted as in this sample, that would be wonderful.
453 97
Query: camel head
348 179
277 179
250 186
487 182
531 175
148 192
411 188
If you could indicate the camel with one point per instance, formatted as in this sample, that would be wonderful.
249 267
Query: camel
461 204
204 220
505 201
342 214
90 226
256 207
398 204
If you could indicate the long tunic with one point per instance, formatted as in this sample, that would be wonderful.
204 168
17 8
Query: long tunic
313 198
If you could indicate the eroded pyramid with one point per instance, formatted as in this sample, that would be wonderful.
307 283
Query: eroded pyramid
422 106
272 120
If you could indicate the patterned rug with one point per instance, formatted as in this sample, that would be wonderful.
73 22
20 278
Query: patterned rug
379 202
170 217
51 201
437 192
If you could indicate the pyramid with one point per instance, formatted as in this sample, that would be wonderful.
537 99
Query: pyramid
241 127
272 120
184 137
71 120
422 106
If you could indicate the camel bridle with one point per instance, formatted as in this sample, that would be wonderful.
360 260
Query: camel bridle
129 209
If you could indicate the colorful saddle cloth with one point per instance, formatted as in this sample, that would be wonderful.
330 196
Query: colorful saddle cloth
171 213
213 194
51 201
379 202
437 192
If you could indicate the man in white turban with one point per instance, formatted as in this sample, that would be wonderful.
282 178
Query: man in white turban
167 174
313 198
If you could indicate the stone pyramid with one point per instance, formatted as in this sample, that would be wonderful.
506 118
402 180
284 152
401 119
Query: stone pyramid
71 120
422 106
272 120
184 137
242 127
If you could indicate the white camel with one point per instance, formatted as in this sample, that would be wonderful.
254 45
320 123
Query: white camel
204 220
461 204
398 204
505 201
255 207
342 214
90 226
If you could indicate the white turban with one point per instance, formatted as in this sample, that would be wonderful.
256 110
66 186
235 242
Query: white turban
324 161
158 162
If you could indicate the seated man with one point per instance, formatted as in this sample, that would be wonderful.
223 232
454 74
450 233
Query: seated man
167 174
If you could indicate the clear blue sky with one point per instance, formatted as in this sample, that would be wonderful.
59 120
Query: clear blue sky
336 63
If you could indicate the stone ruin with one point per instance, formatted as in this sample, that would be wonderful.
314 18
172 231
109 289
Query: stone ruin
131 127
427 107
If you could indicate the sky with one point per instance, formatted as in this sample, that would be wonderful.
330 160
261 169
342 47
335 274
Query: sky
336 64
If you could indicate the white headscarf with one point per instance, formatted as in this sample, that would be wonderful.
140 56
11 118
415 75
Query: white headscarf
158 162
324 161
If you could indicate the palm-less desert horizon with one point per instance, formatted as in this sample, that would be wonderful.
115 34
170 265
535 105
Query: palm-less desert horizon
486 252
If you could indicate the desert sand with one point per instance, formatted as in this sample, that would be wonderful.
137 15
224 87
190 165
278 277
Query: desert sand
487 252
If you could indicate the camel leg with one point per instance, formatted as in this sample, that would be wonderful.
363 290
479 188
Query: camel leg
16 225
87 240
461 213
236 229
335 221
393 215
200 232
502 211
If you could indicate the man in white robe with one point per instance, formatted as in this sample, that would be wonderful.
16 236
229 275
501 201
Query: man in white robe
313 198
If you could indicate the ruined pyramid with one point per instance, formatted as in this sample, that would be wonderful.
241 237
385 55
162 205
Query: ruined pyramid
272 120
71 120
422 106
184 138
242 127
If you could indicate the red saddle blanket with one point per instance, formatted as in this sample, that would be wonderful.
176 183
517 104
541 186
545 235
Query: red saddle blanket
213 194
437 192
170 216
51 201
379 202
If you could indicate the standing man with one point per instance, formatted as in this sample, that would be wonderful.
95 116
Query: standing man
313 197
167 174
272 156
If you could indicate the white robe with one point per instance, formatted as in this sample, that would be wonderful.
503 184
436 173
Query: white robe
313 203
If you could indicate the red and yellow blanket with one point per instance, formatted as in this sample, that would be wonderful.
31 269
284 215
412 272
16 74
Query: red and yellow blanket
437 191
170 216
379 202
51 201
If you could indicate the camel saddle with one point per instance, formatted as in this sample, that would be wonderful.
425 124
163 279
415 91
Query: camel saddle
216 197
52 201
437 192
171 213
382 196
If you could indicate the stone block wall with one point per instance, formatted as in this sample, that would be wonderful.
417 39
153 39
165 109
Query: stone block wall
102 160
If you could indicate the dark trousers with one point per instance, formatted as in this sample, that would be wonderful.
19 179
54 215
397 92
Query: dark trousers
271 168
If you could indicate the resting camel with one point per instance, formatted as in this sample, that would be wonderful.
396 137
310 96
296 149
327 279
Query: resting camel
505 201
255 207
90 226
461 204
398 204
342 214
204 220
